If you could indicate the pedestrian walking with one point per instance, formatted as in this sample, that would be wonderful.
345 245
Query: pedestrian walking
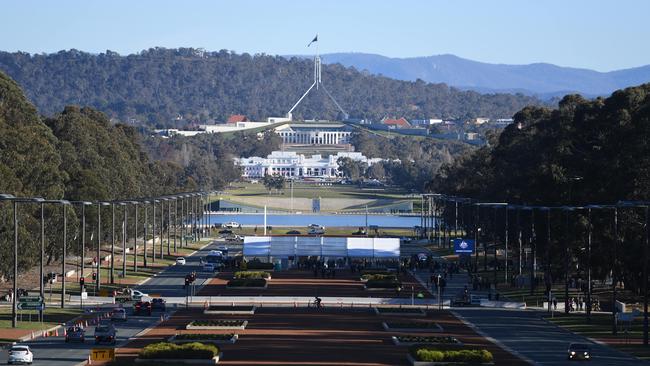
554 303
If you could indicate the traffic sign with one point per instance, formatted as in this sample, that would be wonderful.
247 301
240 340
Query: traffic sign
102 354
463 246
30 306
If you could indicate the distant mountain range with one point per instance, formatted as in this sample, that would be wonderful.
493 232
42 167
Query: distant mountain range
539 79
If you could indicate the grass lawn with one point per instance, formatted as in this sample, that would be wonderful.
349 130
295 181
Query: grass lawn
304 190
600 328
346 231
52 316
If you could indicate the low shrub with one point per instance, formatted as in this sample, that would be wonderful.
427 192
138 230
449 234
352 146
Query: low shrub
168 350
256 264
247 282
378 277
391 284
217 323
427 339
215 337
252 274
466 355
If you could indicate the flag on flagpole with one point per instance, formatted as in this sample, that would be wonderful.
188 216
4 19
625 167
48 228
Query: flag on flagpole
313 40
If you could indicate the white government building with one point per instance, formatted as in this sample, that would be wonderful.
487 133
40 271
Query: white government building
314 133
291 164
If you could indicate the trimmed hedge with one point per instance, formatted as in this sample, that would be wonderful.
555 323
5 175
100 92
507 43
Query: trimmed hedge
193 350
427 339
259 265
383 284
247 282
252 274
367 271
468 356
217 323
206 337
378 277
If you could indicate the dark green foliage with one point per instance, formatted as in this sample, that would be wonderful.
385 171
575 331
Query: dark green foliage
217 323
584 152
203 336
427 339
466 355
252 274
419 158
179 351
274 182
247 282
158 85
383 283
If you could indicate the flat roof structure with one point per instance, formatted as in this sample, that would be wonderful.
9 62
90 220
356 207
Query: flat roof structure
332 247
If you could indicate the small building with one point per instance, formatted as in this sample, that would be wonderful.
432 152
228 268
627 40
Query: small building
479 121
396 123
426 122
237 118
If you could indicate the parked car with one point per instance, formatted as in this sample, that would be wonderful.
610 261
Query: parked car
142 307
231 224
316 232
105 333
293 232
20 354
119 314
180 261
75 334
579 351
159 304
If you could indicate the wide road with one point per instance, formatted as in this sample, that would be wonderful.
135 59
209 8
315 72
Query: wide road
53 351
536 339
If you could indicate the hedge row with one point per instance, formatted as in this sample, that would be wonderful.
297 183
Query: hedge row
179 351
217 323
469 356
190 336
247 282
379 277
252 274
258 265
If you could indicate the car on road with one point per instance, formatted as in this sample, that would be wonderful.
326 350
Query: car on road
20 354
129 295
579 351
75 334
180 261
315 226
142 307
293 232
231 224
235 238
159 304
119 314
208 267
105 333
316 231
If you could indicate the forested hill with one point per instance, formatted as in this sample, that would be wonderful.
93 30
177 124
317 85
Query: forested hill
158 85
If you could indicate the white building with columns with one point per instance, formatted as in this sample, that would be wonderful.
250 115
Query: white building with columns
292 165
314 133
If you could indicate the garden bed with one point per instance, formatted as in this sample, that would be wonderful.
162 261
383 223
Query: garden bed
217 324
247 283
428 356
378 277
412 327
400 311
204 338
411 340
186 354
230 310
252 274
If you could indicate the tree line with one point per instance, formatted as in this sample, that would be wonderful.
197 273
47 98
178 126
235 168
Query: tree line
79 154
584 152
173 87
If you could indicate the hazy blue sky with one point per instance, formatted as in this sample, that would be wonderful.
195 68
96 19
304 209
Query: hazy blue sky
601 35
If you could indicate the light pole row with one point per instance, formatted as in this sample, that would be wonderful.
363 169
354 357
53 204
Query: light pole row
195 203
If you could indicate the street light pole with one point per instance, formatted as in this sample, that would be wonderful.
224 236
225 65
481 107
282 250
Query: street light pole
169 224
135 238
146 224
65 244
124 234
153 231
175 222
112 272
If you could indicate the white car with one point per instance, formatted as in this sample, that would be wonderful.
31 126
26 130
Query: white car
20 354
231 224
180 261
119 314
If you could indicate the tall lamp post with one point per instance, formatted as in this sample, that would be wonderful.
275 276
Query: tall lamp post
15 201
135 236
124 235
98 283
83 205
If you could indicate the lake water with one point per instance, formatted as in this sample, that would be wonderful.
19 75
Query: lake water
323 220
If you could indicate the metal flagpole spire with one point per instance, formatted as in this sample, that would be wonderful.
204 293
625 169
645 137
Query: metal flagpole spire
317 83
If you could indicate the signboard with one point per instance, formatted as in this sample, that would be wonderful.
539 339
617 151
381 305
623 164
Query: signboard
463 246
30 303
102 354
